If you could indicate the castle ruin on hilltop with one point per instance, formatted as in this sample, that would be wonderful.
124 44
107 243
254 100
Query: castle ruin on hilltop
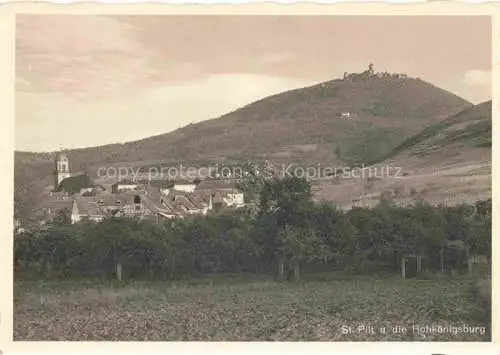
370 73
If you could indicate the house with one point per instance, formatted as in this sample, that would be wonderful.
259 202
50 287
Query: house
124 185
54 206
86 208
135 206
234 199
211 185
159 184
92 190
347 115
58 196
165 191
99 206
125 204
182 203
163 186
87 190
225 191
184 185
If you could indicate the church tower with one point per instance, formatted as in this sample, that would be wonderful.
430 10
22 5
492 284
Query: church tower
62 169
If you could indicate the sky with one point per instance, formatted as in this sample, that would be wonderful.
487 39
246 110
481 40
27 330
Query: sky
86 80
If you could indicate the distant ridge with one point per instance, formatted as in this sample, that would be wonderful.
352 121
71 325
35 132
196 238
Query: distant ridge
470 129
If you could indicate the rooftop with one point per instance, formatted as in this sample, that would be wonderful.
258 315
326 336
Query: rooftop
125 182
217 184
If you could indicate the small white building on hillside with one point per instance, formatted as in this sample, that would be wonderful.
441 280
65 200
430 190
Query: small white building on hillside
347 115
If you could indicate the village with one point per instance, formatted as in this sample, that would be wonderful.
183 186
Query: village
75 197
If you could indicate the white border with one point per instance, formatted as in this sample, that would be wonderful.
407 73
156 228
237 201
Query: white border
7 23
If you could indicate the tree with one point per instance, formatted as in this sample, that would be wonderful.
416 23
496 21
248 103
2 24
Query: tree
286 198
378 237
483 242
460 227
288 202
111 242
430 231
337 232
56 249
25 252
298 245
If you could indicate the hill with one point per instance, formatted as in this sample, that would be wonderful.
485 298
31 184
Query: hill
303 125
449 162
391 107
470 128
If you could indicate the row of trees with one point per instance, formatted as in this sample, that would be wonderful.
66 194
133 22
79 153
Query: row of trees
286 233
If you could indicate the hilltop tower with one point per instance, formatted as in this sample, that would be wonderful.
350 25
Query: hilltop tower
62 169
371 71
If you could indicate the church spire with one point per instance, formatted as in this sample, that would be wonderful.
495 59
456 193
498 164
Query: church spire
62 170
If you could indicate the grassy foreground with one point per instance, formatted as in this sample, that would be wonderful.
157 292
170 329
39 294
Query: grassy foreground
262 310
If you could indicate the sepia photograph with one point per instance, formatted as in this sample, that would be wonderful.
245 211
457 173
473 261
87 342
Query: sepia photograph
252 178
